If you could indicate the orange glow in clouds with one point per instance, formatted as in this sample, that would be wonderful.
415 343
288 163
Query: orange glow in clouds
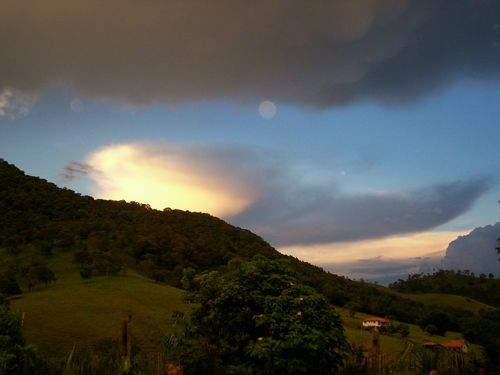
396 247
164 178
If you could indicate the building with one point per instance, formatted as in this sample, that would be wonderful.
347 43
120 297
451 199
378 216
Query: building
453 345
375 322
456 344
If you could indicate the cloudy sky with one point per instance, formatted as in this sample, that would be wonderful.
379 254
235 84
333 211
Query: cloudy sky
354 134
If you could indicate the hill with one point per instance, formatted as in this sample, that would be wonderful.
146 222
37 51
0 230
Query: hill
83 262
42 217
105 237
485 289
86 314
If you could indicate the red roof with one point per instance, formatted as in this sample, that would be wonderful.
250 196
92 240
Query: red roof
430 343
453 344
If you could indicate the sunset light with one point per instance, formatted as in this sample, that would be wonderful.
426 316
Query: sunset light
134 172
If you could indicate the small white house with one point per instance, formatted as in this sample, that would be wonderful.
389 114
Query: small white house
375 321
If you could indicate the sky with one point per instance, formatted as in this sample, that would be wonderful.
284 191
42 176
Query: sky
358 135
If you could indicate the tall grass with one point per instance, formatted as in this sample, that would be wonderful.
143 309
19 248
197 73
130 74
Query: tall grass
445 361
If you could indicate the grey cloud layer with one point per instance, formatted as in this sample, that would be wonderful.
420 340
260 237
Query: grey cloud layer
385 271
320 53
288 215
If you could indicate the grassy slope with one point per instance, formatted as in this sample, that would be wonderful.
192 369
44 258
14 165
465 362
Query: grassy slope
393 345
441 299
83 312
73 311
457 302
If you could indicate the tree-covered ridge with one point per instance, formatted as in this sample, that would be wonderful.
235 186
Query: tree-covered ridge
484 288
42 217
39 217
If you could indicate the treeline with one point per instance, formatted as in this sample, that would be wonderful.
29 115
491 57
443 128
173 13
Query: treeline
39 218
484 288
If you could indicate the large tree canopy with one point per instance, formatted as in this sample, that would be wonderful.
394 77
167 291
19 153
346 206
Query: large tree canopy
259 320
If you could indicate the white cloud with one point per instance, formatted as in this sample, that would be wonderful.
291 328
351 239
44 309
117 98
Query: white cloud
14 105
475 251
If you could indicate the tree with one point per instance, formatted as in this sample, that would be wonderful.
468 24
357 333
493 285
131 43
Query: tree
38 274
15 356
260 320
9 284
498 242
403 330
436 322
353 307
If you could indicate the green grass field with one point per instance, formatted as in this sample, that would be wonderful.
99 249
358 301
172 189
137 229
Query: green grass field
457 302
73 311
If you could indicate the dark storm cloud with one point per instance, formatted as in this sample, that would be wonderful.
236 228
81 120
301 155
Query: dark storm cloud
288 215
319 52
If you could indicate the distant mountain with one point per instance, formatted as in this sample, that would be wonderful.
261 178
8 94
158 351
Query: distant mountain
475 251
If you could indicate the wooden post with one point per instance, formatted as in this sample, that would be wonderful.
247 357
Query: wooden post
129 337
126 344
159 365
376 351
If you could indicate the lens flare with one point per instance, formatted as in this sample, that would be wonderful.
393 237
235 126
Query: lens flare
267 109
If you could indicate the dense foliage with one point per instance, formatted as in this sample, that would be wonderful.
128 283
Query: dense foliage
260 320
484 288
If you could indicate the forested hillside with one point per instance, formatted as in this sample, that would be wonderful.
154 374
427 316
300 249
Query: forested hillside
38 216
105 236
484 288
40 221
